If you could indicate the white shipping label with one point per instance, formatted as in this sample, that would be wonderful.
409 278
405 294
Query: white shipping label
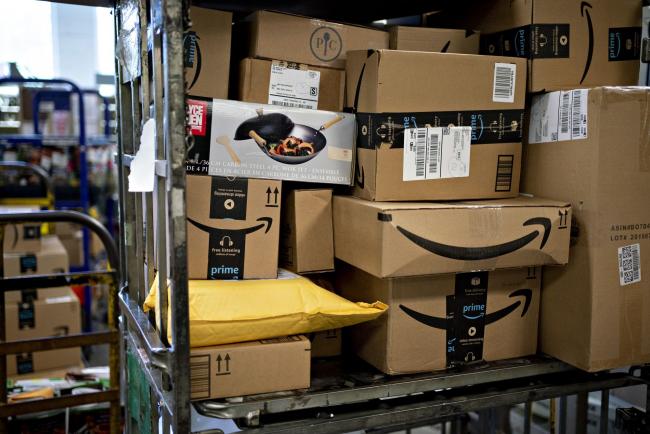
291 86
436 152
505 75
558 116
629 264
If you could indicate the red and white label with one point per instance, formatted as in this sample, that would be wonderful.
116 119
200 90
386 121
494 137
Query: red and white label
197 114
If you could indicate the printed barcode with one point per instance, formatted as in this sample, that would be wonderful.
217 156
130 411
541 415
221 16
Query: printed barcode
505 164
434 149
420 151
564 112
504 82
200 377
290 104
576 112
629 264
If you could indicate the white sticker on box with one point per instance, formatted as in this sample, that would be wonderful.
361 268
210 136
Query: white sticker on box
291 86
505 75
559 116
436 153
629 264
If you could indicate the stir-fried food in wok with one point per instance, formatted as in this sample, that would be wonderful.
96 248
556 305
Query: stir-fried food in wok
292 146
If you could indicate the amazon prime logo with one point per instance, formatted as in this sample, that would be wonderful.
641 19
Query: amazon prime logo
325 44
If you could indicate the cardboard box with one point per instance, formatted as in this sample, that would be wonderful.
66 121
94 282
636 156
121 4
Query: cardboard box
307 241
233 138
248 368
326 343
74 245
21 237
410 239
435 322
207 52
53 316
273 35
595 311
399 158
644 66
291 84
233 227
568 43
432 39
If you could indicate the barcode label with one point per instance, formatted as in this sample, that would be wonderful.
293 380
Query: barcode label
290 104
565 106
504 82
629 264
293 85
505 164
578 114
434 153
200 377
559 116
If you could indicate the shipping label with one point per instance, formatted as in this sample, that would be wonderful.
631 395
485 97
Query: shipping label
292 85
629 264
558 116
436 153
505 75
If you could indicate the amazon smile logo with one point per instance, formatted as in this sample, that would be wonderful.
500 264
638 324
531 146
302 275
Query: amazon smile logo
487 252
584 11
441 323
266 221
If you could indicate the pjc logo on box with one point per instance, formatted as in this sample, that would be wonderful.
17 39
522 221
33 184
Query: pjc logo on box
325 43
197 115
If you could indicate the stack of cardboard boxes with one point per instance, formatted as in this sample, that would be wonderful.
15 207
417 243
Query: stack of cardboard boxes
38 313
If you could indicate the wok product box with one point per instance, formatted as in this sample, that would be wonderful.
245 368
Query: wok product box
250 140
206 52
388 239
567 43
307 237
56 315
457 136
248 368
291 84
232 227
595 310
433 39
444 321
273 35
326 343
21 237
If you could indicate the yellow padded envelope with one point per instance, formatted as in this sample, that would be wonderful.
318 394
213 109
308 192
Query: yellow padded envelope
227 311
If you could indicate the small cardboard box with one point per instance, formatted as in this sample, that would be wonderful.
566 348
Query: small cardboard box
568 43
248 368
390 239
207 52
21 237
432 39
307 241
291 84
75 247
233 138
232 227
436 322
595 310
52 316
405 150
273 35
326 343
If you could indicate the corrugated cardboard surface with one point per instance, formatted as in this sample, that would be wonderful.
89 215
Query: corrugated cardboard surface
248 368
396 343
409 239
22 237
436 40
255 75
53 316
260 247
312 41
588 319
307 243
213 31
74 246
326 343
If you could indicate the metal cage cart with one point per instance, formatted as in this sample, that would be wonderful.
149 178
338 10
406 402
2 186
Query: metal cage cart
344 396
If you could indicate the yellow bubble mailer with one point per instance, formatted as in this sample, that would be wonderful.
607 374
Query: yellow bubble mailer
227 311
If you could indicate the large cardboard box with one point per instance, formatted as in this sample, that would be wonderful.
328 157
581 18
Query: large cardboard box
435 322
307 241
232 227
248 368
432 39
405 151
390 239
568 43
291 84
273 35
207 52
251 140
53 316
21 237
595 311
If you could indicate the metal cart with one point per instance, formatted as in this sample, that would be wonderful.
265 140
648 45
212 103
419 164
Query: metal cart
345 395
